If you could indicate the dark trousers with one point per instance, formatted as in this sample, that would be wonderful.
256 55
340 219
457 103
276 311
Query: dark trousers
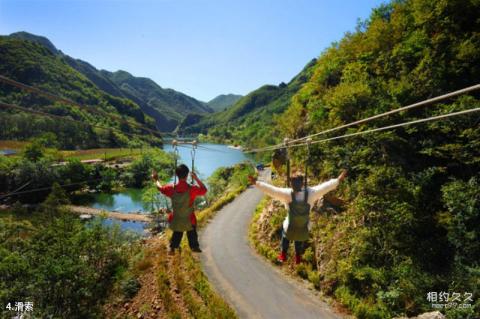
299 245
191 235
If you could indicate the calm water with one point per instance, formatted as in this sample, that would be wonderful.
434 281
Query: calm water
208 158
137 227
129 200
207 161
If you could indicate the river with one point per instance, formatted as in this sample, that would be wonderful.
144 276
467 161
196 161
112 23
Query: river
208 158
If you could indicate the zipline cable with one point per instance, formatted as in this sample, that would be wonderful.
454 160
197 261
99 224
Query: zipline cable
176 156
192 153
211 149
309 141
404 108
24 109
47 188
62 117
186 145
18 189
429 119
54 116
287 155
57 98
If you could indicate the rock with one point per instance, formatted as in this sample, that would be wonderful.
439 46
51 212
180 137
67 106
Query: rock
139 315
126 305
431 315
427 315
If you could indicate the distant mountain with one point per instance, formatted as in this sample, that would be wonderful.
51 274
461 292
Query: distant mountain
168 107
223 101
250 120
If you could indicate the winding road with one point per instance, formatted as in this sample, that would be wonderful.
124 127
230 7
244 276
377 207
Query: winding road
252 286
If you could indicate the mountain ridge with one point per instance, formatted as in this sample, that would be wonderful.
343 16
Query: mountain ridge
167 106
223 101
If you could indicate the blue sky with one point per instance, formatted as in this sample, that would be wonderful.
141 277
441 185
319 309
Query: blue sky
200 47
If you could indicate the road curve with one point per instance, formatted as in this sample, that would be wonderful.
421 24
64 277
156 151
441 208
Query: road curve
251 285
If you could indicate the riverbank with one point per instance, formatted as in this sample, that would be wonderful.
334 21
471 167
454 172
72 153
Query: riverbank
84 210
137 217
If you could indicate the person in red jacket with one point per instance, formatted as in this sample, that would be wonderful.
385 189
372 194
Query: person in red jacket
183 216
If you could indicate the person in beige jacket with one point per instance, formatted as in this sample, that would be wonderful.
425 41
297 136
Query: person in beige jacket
298 202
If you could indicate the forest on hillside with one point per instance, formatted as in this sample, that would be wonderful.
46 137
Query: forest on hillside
102 120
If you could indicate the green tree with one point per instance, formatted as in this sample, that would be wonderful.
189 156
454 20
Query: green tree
34 151
139 172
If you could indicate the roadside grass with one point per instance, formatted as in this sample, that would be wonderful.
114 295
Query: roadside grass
262 246
202 300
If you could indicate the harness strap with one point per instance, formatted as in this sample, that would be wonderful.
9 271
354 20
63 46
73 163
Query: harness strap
285 142
309 141
192 153
305 196
175 154
306 174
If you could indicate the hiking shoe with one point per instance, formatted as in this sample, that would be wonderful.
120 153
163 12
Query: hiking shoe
196 250
171 251
298 259
282 257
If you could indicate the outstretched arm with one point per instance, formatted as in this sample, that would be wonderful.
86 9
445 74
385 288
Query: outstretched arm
278 193
316 192
167 190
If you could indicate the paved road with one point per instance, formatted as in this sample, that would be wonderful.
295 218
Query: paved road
252 286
